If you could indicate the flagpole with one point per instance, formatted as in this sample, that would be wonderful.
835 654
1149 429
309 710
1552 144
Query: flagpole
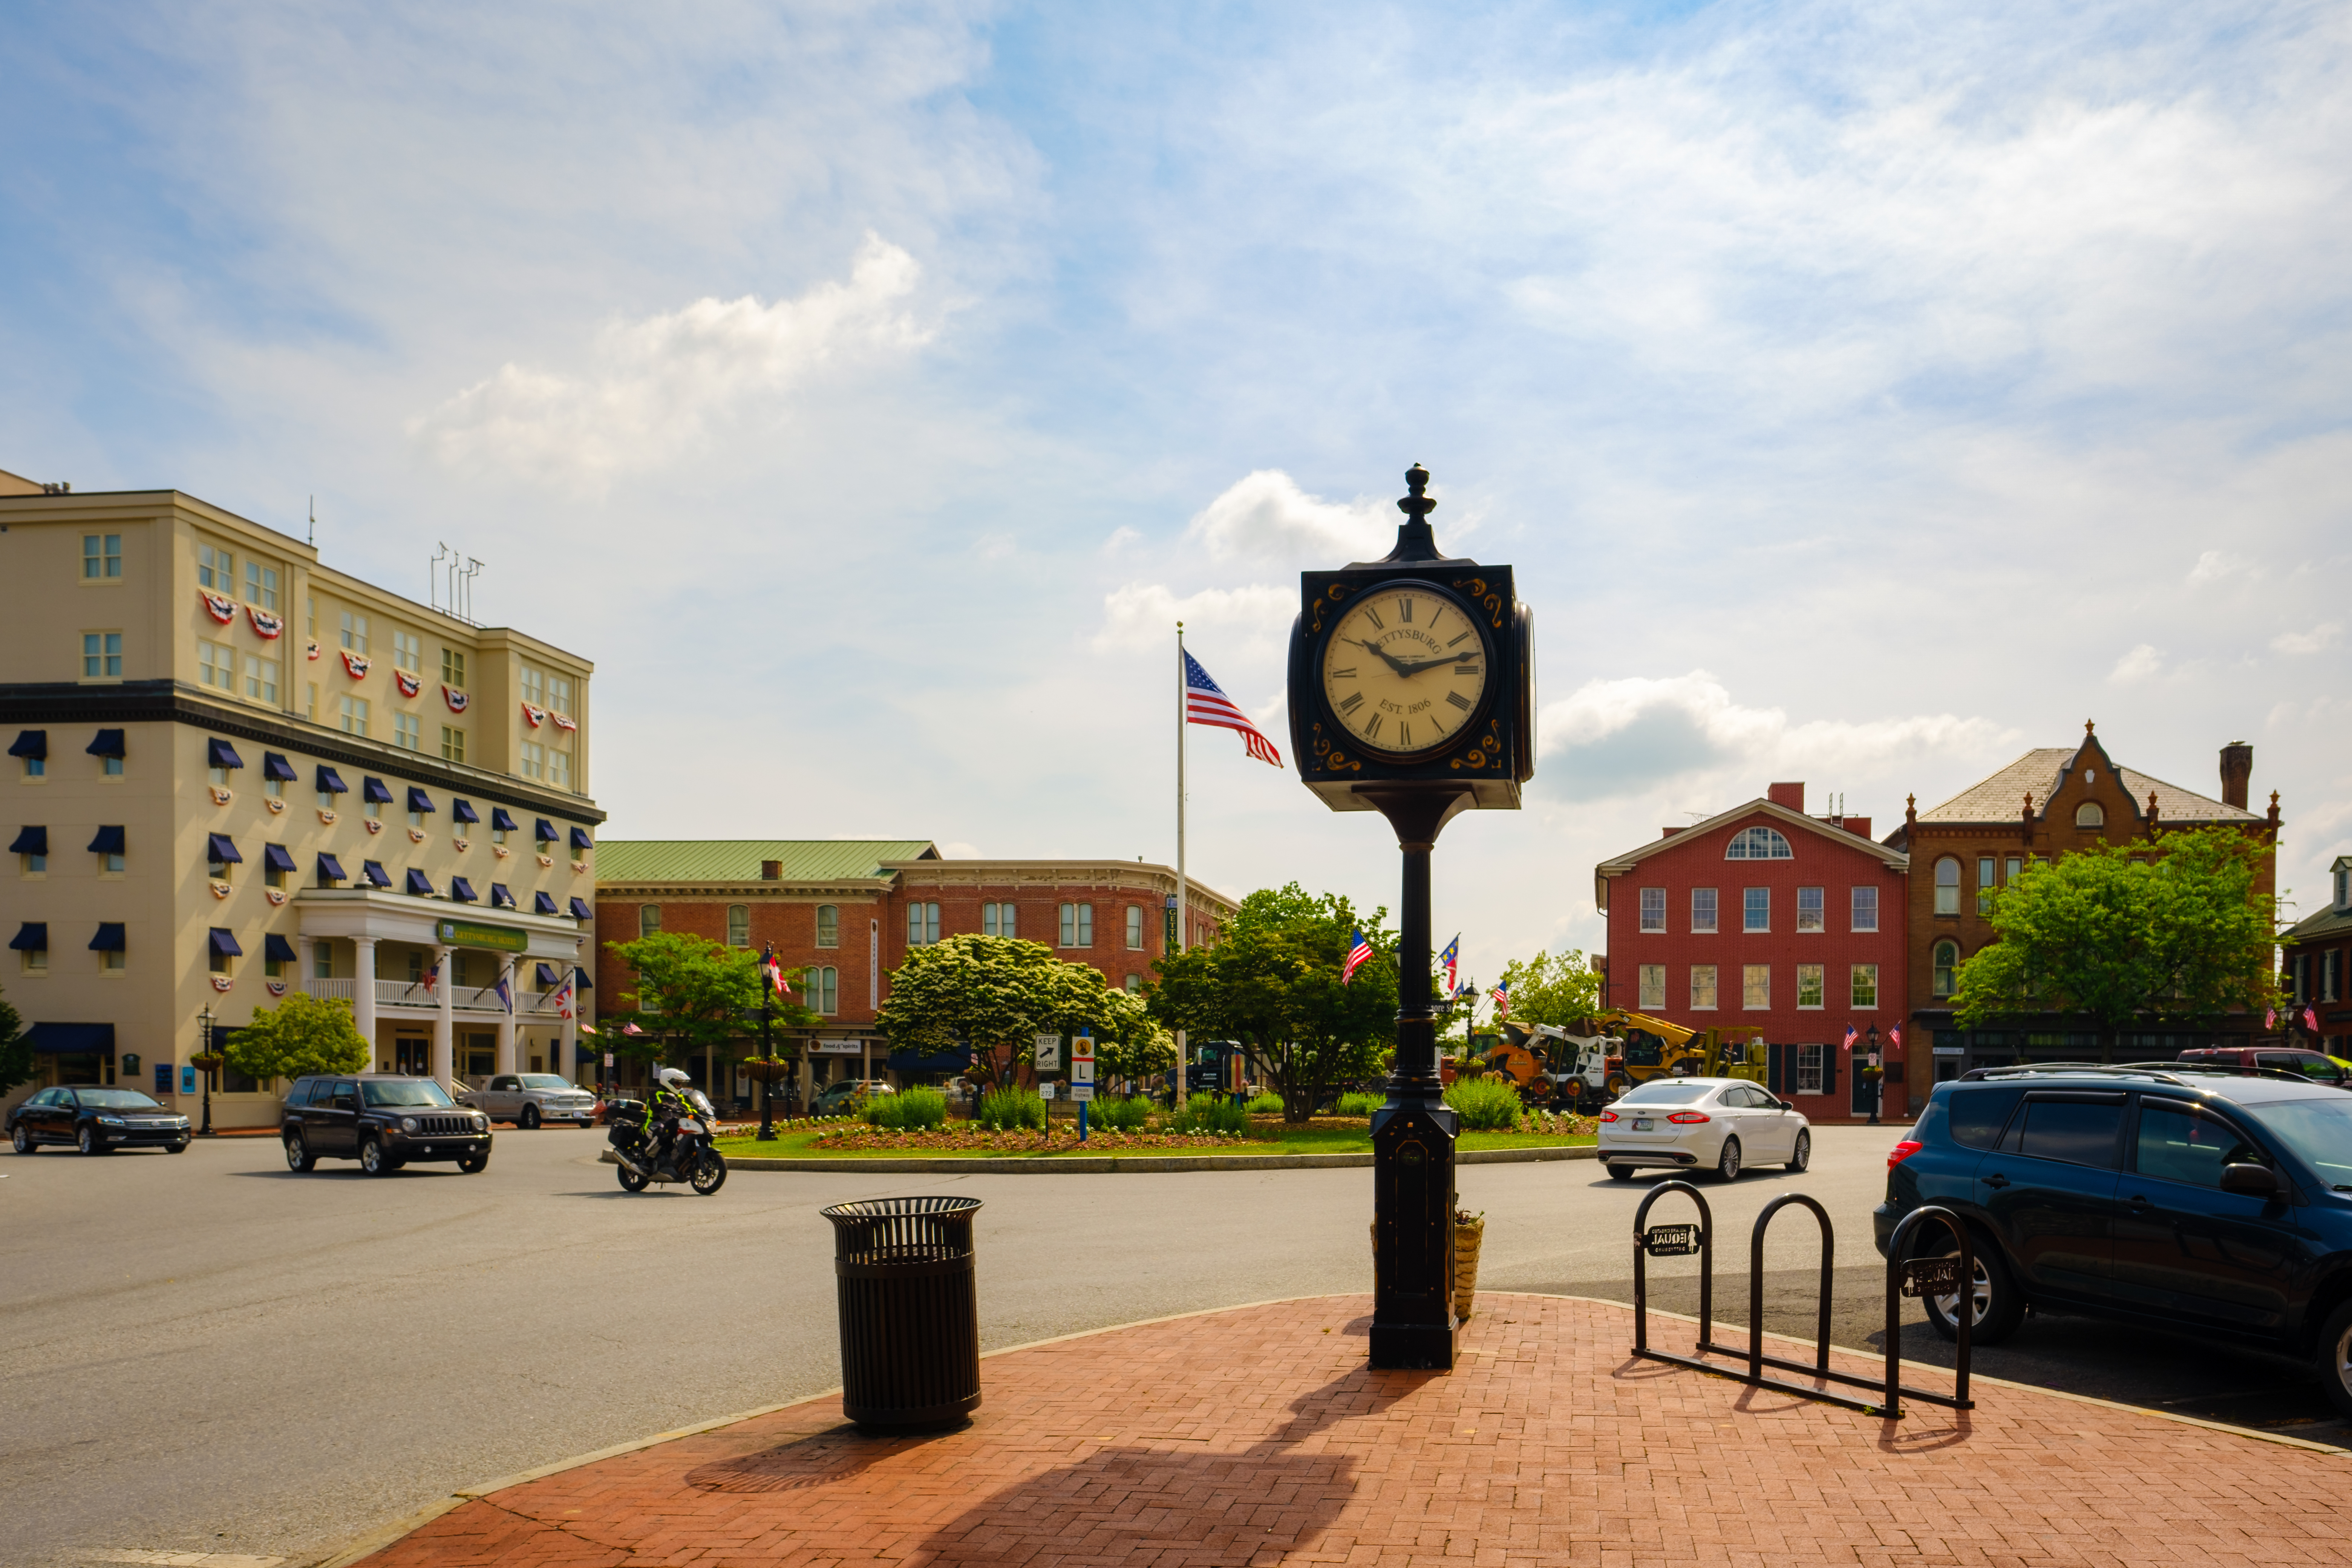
1182 1063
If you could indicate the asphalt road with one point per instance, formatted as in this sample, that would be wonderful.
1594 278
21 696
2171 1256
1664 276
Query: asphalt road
205 1352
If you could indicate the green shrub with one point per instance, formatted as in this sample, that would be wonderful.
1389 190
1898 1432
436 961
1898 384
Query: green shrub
915 1109
1120 1115
1264 1105
1360 1104
1008 1111
1485 1104
881 1111
1210 1113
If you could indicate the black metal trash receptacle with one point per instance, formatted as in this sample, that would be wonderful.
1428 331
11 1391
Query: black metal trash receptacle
909 1307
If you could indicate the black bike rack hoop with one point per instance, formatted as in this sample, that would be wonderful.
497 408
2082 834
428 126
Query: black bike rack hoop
1672 1241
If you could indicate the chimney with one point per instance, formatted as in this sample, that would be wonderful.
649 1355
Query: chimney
2237 772
1792 795
1860 825
772 870
1668 832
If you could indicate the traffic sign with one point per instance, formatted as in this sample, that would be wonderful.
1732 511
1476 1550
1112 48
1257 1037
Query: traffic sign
1045 1091
1082 1092
1082 1069
1082 1048
1049 1053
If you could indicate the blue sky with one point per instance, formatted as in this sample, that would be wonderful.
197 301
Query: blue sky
1864 393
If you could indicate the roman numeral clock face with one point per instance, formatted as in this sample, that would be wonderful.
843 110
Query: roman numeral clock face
1405 669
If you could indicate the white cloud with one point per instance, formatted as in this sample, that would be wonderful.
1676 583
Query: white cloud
2140 664
655 385
2213 566
1144 614
2317 638
1266 518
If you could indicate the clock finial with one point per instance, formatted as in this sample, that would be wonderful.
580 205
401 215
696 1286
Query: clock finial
1414 539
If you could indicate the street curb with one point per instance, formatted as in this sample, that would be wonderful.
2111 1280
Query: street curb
1084 1165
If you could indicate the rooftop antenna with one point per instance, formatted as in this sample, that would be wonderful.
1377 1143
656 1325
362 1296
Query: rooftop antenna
314 522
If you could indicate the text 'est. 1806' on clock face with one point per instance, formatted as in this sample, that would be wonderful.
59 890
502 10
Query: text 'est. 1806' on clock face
1406 668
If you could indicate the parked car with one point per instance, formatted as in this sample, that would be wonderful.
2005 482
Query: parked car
2316 1065
531 1098
836 1098
2179 1197
1719 1124
96 1121
382 1119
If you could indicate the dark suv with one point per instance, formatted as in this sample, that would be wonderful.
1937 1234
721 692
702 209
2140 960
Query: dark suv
2213 1201
2316 1065
382 1122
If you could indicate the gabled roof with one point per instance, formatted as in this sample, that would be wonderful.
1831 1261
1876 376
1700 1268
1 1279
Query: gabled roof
2001 797
738 859
1619 865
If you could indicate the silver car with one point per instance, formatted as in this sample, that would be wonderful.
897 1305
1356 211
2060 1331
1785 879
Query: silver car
531 1098
1716 1124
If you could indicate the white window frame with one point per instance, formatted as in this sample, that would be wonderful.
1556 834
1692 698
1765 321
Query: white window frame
1816 918
1862 910
649 919
1711 922
1947 890
407 651
1135 928
260 584
1706 988
453 743
1755 978
353 713
534 759
738 925
1654 912
261 679
821 983
354 632
407 731
1818 974
215 568
1861 983
216 665
1771 842
102 656
2090 814
1809 1068
1652 982
922 924
1748 909
1943 979
828 925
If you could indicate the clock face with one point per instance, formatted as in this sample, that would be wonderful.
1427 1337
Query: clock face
1405 668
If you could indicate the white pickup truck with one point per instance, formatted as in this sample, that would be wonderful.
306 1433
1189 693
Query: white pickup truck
529 1098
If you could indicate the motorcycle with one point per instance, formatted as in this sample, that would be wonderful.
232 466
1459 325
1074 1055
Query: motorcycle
635 1135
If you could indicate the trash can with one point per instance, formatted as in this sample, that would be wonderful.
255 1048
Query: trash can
909 1308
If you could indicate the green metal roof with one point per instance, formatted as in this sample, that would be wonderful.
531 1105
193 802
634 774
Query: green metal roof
738 859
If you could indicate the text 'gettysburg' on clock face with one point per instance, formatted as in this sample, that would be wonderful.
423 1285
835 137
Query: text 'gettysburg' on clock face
1405 668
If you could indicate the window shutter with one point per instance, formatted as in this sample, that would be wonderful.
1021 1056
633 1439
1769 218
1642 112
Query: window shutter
1775 1068
1829 1068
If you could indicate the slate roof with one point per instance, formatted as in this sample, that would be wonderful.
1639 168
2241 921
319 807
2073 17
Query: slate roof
2002 797
738 859
2328 922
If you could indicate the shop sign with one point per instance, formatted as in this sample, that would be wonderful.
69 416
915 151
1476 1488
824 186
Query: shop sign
466 933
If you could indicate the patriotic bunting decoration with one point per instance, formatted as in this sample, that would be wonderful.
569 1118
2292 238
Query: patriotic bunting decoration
409 685
265 624
222 983
310 651
275 988
1357 951
221 607
1452 959
455 700
537 716
564 722
356 663
1205 702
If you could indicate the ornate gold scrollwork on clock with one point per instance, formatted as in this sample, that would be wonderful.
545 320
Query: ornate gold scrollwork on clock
1331 596
1488 752
1476 588
1330 756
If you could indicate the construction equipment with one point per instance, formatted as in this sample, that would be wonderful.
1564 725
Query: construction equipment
1555 1068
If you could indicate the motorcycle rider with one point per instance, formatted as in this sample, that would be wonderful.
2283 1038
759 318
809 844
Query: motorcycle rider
668 1103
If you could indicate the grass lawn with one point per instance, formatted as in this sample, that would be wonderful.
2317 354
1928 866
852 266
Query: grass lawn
1308 1140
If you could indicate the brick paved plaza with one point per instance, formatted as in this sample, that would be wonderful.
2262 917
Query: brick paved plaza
1258 1436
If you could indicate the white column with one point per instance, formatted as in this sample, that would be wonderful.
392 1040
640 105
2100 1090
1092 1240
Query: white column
363 993
506 1021
445 1025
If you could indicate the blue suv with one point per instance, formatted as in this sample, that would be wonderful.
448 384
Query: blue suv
2206 1200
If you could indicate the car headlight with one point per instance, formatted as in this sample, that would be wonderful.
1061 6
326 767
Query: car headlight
481 1124
408 1124
111 1120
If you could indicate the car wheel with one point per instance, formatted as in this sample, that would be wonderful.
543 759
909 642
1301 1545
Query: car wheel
1801 1155
1726 1164
299 1157
21 1140
2334 1362
529 1120
87 1140
1999 1307
373 1160
1620 1172
632 1181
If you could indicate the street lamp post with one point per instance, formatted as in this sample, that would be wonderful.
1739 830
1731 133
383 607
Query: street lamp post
1878 1084
205 1039
767 1055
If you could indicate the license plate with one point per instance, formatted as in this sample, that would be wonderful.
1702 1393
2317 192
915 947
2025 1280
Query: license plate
1642 1124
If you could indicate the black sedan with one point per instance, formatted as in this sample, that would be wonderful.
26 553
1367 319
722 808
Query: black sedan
95 1120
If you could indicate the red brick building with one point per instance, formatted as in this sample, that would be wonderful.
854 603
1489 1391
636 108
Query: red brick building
848 909
2318 974
1764 921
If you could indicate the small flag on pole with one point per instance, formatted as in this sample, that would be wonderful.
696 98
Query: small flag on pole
1502 995
2311 1019
1452 959
1357 951
1895 1038
506 994
1849 1036
1205 702
432 978
774 971
2270 1019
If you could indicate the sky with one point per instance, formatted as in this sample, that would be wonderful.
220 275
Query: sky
1864 394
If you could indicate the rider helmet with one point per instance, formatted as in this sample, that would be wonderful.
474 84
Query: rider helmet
673 1076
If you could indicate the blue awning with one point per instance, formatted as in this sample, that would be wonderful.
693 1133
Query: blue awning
108 744
219 753
32 936
221 850
500 898
461 891
30 743
109 938
955 1059
275 766
374 871
500 820
108 842
545 832
581 912
330 869
543 905
373 790
463 811
418 800
278 950
276 858
419 883
30 841
580 978
71 1039
331 782
580 839
547 977
225 943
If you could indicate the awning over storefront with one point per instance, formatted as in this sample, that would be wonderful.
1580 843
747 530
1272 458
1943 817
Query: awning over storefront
419 884
955 1060
461 891
71 1039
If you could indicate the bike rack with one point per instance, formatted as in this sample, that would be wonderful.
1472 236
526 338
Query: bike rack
1916 1277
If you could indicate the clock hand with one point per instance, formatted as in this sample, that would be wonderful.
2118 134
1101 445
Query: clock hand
1419 665
1384 656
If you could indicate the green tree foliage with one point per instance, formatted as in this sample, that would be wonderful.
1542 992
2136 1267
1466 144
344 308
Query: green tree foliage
2124 933
1561 989
997 993
16 1049
1272 984
301 1034
691 992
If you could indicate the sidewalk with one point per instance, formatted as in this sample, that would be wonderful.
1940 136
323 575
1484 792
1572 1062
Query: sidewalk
1257 1436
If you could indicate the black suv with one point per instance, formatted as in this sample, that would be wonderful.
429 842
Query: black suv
2191 1200
382 1122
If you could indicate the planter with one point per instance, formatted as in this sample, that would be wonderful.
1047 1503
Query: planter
1469 1230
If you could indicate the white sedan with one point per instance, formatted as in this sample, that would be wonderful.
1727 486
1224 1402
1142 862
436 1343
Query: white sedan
1716 1125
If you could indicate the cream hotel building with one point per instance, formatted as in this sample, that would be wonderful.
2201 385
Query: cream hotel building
233 772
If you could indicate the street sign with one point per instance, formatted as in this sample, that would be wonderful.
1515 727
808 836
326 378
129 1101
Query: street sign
1049 1053
1082 1070
1082 1092
1045 1091
1670 1240
1082 1048
1931 1277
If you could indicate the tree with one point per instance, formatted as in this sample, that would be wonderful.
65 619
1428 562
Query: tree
15 1047
1139 1049
996 995
692 993
1272 984
1561 989
2124 934
302 1035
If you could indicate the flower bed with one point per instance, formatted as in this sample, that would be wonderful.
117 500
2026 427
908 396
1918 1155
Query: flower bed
1063 1136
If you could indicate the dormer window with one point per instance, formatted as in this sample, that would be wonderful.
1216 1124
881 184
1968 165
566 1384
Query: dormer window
1757 844
2090 815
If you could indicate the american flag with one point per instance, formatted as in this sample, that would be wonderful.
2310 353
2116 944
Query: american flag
1502 995
1452 959
1357 951
1851 1036
774 971
1205 702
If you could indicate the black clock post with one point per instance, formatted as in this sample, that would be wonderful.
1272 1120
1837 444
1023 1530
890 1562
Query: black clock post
1351 752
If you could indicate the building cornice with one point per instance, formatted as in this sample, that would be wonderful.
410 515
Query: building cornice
871 887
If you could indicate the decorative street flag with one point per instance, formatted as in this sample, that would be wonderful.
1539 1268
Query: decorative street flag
357 664
1502 995
409 685
2311 1019
537 716
265 624
1452 959
218 606
1205 702
455 700
631 1030
2270 1019
1895 1038
774 970
564 999
506 994
1358 951
432 978
1849 1036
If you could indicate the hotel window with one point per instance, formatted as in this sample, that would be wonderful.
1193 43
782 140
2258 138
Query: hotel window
1866 908
1654 985
407 652
1947 886
355 633
32 852
261 678
453 669
354 714
534 687
1703 908
559 767
1654 908
1756 986
1810 985
322 961
1947 960
110 960
1864 993
33 960
2089 814
1809 1069
1757 844
997 919
1755 909
216 569
1985 868
558 694
1135 928
738 925
261 585
453 743
648 919
216 665
534 759
1077 925
823 986
2328 962
407 731
922 924
828 925
311 615
1812 911
310 701
1702 987
102 656
102 556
